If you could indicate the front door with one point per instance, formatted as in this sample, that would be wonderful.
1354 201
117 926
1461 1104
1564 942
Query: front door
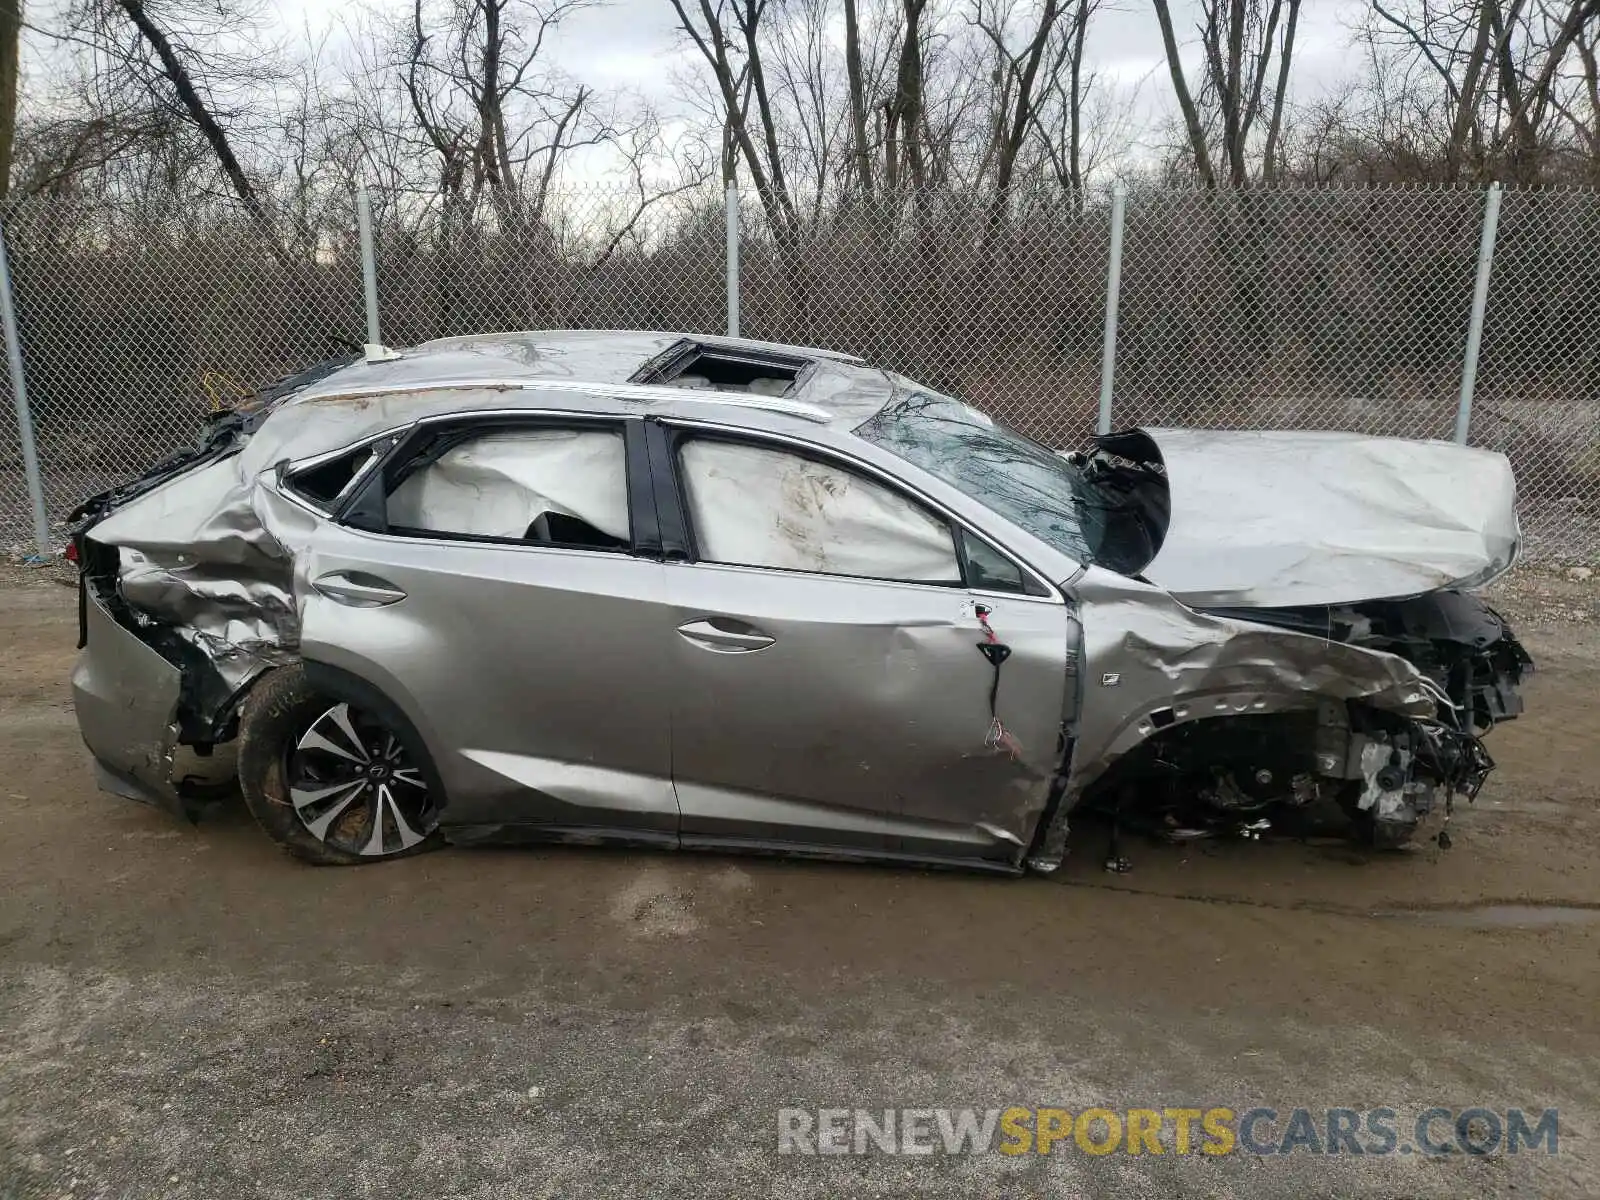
829 686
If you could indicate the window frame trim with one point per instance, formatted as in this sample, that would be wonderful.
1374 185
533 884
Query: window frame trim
409 441
285 471
963 552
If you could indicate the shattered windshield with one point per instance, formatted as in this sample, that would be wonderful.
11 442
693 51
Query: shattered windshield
1026 483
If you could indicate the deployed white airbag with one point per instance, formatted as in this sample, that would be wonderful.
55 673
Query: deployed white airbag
494 486
767 508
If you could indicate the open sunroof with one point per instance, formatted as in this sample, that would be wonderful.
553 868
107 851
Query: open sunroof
691 364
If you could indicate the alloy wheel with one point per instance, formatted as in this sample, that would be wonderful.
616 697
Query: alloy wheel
355 788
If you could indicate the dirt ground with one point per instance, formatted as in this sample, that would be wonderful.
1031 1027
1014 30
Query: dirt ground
186 1012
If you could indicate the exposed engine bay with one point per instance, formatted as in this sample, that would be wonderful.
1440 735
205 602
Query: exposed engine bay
1393 778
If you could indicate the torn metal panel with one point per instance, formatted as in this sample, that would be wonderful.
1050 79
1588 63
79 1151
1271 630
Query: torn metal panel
204 516
1453 637
1277 518
198 565
1150 662
194 555
126 698
1230 724
221 604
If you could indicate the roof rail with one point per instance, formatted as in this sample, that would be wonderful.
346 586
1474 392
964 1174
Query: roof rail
619 391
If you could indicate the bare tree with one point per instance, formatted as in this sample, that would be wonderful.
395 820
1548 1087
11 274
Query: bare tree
1495 84
1040 89
494 116
10 48
159 102
860 150
176 73
1584 113
902 112
1280 94
1238 40
1021 83
730 36
1072 96
1185 98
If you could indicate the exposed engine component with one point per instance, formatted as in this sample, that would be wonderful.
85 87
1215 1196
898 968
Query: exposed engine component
1456 639
1390 776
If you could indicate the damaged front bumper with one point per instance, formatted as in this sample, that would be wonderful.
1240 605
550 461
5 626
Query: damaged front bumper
1198 723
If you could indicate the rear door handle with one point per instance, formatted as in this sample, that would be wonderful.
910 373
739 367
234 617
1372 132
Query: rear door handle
357 589
725 636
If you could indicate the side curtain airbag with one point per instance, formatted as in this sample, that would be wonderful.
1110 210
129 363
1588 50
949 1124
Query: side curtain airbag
768 508
494 486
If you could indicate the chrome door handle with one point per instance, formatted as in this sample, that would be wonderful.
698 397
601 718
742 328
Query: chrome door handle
710 636
357 589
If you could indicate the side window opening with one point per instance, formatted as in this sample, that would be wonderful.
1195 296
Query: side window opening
991 571
557 487
322 484
693 365
759 507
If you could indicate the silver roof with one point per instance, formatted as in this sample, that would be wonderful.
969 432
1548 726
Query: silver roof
573 370
569 357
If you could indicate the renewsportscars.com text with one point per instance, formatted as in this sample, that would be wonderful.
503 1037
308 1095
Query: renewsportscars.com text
1214 1130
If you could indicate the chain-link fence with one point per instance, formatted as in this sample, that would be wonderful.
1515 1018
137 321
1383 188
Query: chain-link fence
135 324
1309 308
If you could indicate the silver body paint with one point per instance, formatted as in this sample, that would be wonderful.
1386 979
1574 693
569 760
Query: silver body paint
1293 517
125 696
576 694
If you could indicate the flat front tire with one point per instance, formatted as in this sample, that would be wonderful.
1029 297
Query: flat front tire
335 781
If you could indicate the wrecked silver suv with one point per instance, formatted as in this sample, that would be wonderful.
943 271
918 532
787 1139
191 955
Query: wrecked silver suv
695 592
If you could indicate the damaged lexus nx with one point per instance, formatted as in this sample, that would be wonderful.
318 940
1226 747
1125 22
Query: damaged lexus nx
695 592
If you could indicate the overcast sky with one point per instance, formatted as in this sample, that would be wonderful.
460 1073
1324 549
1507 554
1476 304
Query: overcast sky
630 45
631 42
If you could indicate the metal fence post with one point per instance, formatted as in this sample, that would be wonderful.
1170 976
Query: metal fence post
369 266
1480 301
1108 352
731 217
19 393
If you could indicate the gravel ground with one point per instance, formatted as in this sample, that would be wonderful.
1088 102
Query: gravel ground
186 1012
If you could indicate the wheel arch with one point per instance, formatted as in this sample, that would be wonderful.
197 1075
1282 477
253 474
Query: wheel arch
365 684
344 684
341 683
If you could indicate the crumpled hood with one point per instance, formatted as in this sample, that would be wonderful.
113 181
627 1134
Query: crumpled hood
1285 517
